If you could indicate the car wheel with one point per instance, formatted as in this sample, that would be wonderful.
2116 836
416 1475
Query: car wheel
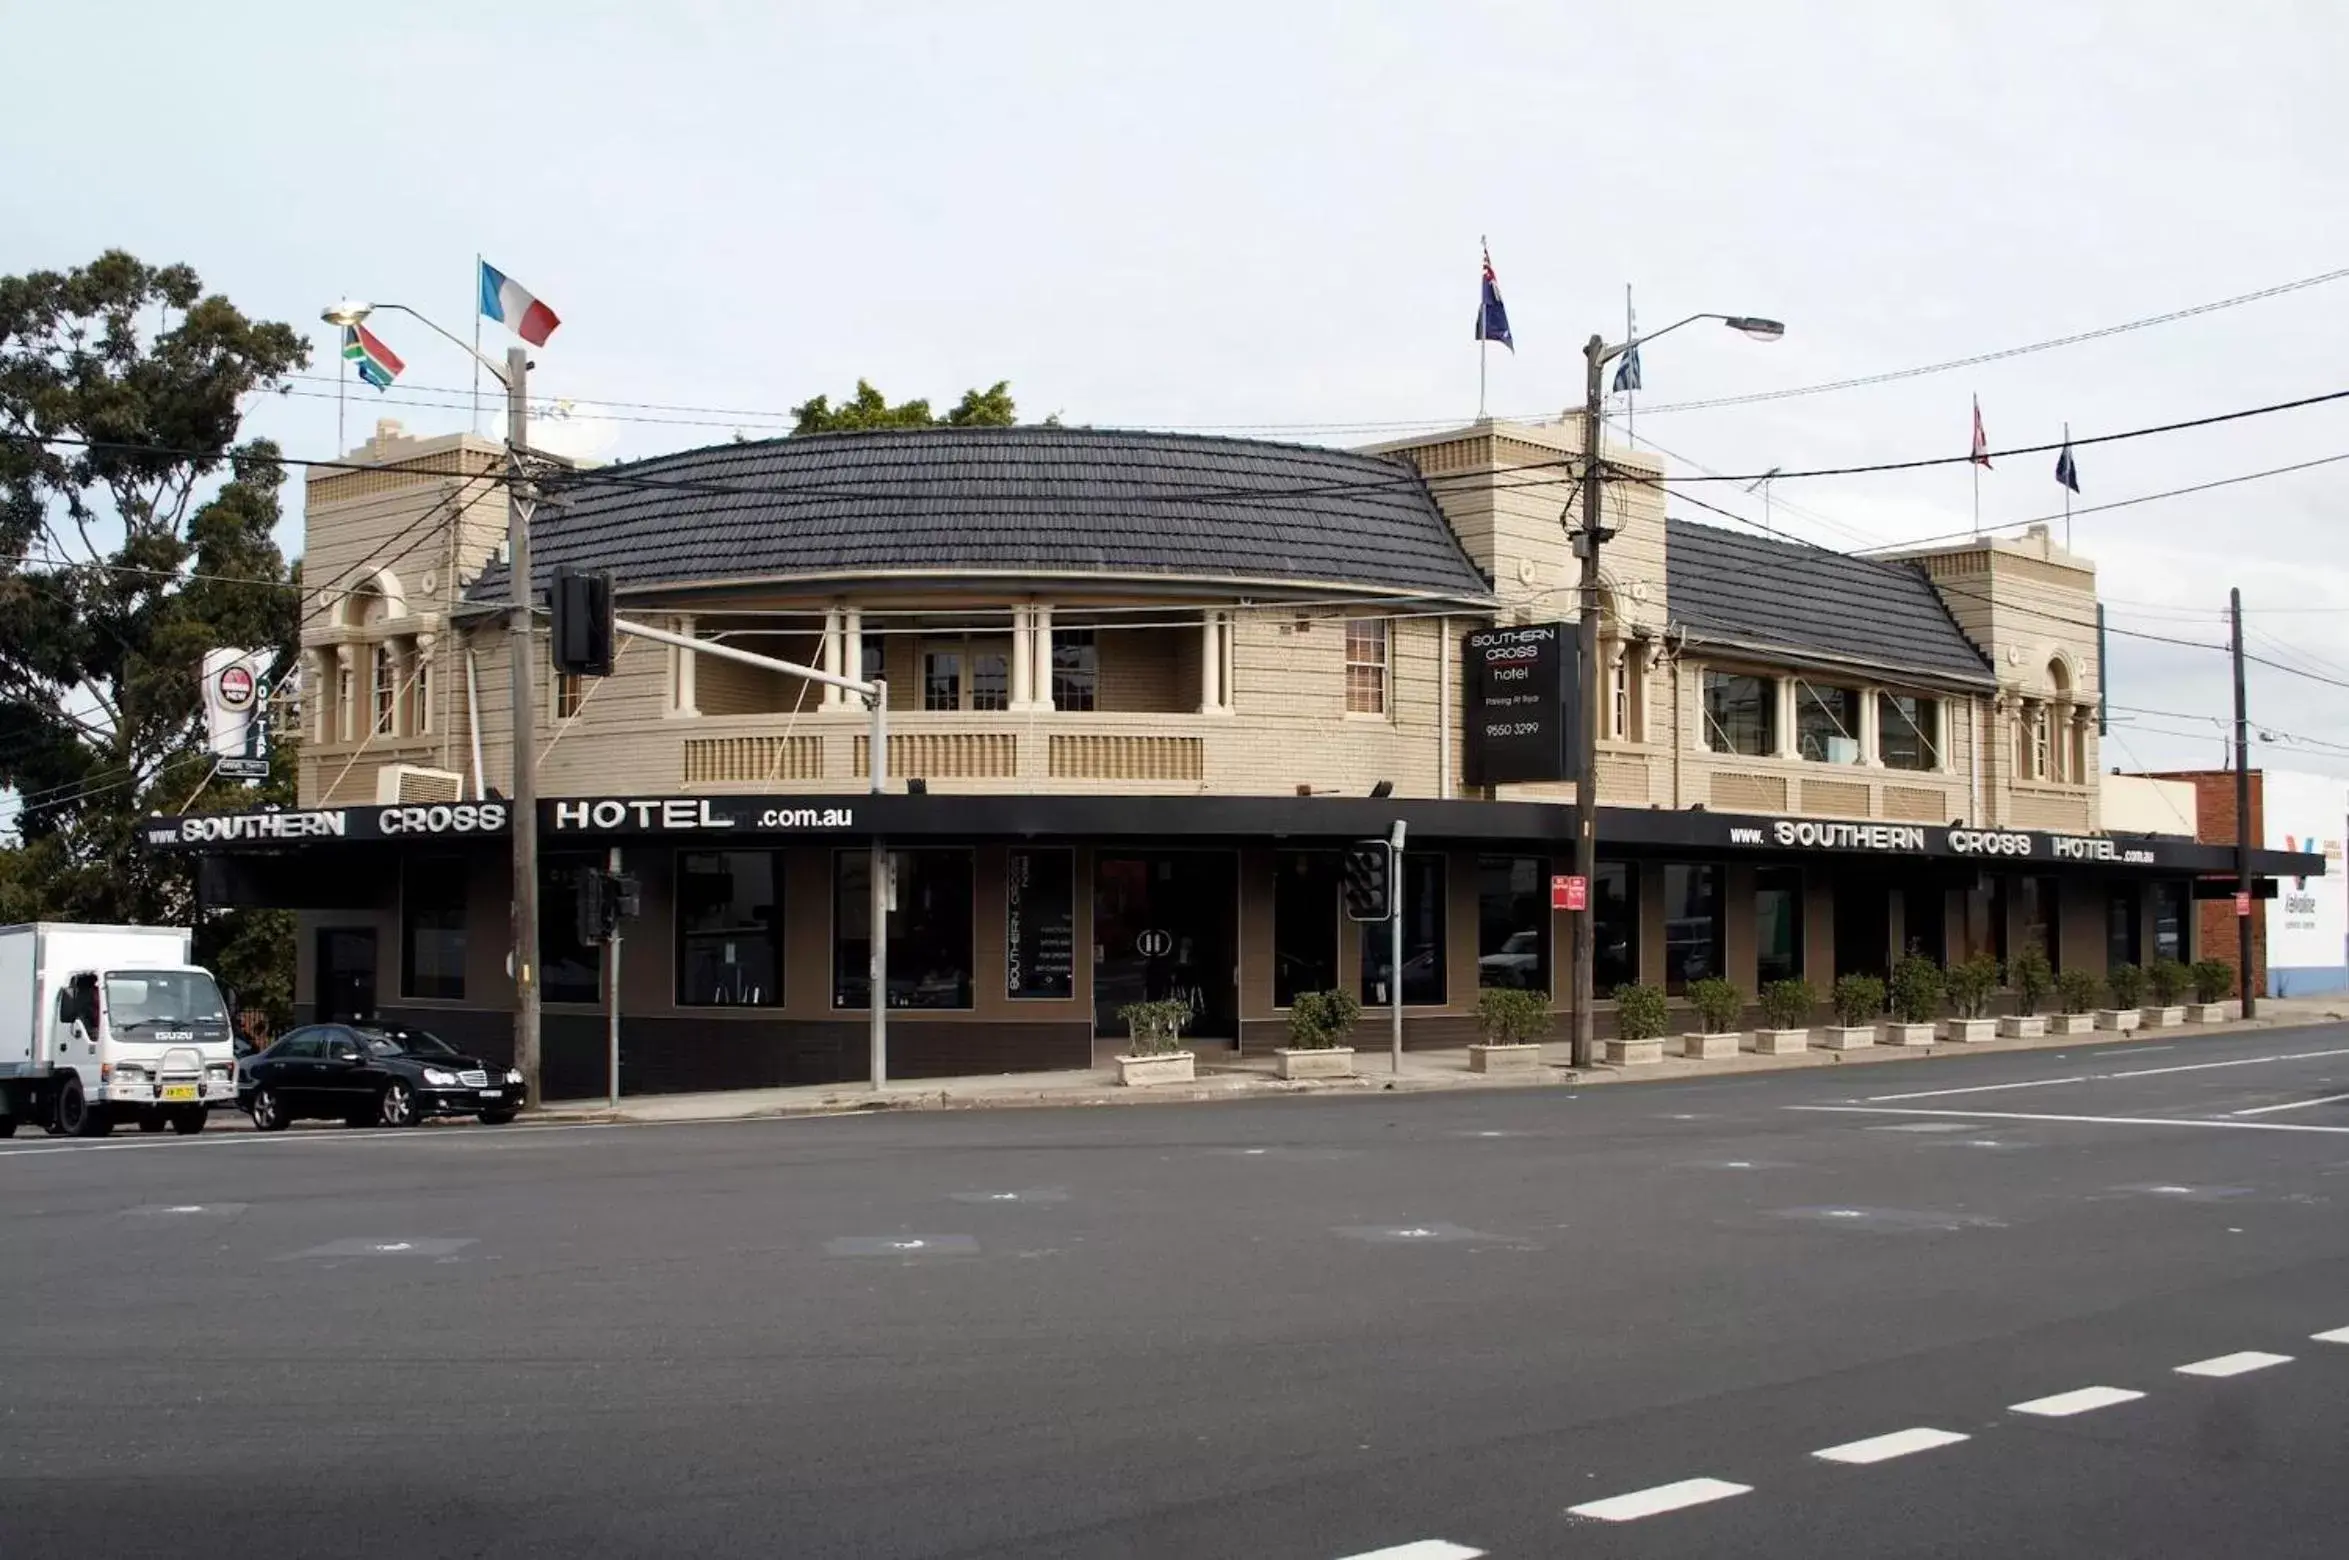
76 1116
187 1123
149 1121
398 1105
496 1118
267 1113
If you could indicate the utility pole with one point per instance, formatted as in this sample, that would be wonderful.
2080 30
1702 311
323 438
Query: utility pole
2242 808
1395 948
1586 737
519 503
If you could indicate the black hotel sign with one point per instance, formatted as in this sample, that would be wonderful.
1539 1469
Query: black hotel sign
1523 705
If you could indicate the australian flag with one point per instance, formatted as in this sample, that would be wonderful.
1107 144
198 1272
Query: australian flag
1492 316
2067 471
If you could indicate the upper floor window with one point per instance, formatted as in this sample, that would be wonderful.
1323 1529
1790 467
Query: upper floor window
1741 714
1366 666
570 694
1076 669
1624 694
1827 724
1908 731
990 680
387 689
942 680
420 697
342 700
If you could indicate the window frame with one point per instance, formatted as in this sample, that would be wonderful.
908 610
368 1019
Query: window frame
1284 860
1710 726
864 856
1544 925
1075 683
409 985
558 883
383 703
1775 880
1809 697
1377 689
1675 983
776 930
1375 940
1888 702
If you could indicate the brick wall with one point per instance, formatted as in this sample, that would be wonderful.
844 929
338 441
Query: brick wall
2214 811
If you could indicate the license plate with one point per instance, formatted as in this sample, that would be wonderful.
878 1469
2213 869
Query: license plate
179 1091
489 1094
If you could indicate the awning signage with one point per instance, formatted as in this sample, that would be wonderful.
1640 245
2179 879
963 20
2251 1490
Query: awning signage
321 824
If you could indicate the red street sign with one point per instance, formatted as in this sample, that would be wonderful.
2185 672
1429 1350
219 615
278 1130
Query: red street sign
1569 893
2242 904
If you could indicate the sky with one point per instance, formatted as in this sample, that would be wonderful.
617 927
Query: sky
1265 219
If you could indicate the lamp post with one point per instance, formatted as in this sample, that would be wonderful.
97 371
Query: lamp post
514 375
1596 355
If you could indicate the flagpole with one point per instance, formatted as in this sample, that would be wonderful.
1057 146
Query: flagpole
1630 333
2067 492
1484 343
477 341
342 374
1975 461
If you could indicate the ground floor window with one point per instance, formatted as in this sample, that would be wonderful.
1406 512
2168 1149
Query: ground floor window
1924 919
1614 906
1513 922
2172 916
1778 924
1039 926
570 967
2124 932
1423 939
2037 899
929 929
1984 929
1693 929
729 928
432 927
1304 923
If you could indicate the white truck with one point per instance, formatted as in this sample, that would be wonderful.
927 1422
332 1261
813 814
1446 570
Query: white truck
107 1024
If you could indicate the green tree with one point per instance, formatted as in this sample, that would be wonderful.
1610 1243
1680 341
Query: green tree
136 532
869 409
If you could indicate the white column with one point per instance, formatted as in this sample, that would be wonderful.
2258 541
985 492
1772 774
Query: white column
420 688
1040 664
314 696
1211 695
852 650
1230 651
347 692
1871 728
1785 748
1023 671
831 661
688 661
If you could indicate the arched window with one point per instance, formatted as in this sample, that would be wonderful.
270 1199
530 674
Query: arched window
387 689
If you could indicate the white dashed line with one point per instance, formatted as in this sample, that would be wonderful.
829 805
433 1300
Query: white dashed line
1425 1549
2100 1077
1883 1448
2337 1335
2234 1364
1663 1498
2264 1110
2095 1121
2065 1404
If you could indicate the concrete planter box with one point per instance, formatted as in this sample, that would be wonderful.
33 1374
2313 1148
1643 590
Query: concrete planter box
1969 1029
2209 1012
1781 1042
1142 1071
2118 1018
1709 1047
2070 1023
1503 1058
2022 1026
2163 1017
1838 1037
1904 1034
1635 1053
1336 1061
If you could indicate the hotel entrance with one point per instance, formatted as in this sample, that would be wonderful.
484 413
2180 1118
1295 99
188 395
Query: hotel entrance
1166 927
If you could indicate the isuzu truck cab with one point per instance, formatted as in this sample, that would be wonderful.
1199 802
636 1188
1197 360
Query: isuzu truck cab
101 1025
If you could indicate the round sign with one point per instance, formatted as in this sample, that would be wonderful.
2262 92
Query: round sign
236 687
1154 943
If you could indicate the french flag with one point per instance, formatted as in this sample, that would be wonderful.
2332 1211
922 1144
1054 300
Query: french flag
509 303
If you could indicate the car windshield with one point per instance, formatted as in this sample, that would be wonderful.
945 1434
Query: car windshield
402 1042
137 999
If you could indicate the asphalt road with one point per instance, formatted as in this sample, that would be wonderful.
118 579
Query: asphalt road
1615 1321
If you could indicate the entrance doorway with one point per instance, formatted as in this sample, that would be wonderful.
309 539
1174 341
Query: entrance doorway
346 974
1863 922
1166 927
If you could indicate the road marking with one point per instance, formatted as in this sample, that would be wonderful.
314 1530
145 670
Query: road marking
2264 1110
2065 1404
2337 1335
2099 1077
1664 1497
2101 1121
1883 1448
1424 1549
2234 1364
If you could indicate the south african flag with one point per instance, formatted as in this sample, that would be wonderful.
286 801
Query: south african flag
376 363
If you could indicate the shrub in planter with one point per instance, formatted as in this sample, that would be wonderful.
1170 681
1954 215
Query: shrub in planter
1970 984
1858 1000
1787 1004
1718 1004
1156 1028
2214 980
2076 991
2168 980
1322 1020
1916 990
1508 1016
1641 1013
2032 977
2127 984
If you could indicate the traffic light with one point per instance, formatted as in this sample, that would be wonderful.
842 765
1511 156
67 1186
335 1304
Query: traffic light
590 904
581 601
1367 872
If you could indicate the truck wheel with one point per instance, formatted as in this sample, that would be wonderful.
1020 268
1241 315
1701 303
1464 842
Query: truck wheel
187 1123
268 1114
76 1116
398 1107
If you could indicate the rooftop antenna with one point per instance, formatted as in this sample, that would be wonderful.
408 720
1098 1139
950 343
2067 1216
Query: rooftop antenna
1763 482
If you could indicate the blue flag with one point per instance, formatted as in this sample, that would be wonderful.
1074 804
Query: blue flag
1627 372
2066 470
1492 316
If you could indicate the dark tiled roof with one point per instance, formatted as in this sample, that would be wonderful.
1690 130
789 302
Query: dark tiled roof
1797 600
950 500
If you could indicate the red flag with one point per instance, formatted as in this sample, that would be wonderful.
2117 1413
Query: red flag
1981 456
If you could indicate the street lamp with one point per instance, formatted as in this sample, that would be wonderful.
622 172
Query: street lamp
514 375
1596 355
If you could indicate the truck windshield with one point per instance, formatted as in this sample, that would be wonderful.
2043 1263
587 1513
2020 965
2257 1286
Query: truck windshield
165 999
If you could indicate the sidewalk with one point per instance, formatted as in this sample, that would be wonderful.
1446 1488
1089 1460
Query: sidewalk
1224 1077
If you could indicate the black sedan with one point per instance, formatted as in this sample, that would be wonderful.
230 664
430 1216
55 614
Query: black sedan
371 1073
